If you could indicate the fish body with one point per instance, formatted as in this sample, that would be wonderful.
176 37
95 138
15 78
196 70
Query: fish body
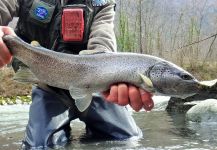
86 74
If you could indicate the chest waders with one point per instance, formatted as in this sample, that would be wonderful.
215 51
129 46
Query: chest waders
49 115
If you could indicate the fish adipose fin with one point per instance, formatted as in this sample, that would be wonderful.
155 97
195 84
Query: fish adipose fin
148 83
91 52
25 75
82 98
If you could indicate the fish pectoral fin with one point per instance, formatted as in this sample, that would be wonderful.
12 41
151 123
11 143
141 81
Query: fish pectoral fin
146 80
25 75
91 52
82 98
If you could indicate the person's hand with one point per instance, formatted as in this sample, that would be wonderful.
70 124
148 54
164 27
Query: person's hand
124 94
5 55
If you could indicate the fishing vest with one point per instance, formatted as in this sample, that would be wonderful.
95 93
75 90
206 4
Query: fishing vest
48 31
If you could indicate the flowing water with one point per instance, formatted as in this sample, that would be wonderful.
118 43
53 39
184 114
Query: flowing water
162 131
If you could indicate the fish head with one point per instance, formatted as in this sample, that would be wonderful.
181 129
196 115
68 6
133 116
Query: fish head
171 80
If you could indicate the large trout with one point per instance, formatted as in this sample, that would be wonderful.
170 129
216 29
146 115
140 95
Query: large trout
85 74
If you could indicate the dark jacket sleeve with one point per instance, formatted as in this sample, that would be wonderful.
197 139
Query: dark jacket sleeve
102 36
8 10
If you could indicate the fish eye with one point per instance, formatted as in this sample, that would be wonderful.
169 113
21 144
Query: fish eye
186 77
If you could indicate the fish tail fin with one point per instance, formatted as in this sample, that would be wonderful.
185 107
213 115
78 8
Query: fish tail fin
25 75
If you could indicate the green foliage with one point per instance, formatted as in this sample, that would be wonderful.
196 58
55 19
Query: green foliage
125 37
15 100
193 35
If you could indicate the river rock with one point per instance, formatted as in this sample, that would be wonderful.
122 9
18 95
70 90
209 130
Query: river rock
18 101
205 111
179 105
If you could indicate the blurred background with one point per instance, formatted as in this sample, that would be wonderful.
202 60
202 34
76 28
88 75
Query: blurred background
182 31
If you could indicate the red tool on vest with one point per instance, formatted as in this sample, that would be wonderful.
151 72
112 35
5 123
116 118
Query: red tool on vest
73 24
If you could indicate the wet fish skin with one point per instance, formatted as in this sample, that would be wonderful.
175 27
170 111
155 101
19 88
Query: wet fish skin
85 74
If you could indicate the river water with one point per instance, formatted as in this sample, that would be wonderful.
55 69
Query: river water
162 131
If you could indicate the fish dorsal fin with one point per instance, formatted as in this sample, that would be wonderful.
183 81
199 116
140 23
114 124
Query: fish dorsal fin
25 75
82 97
35 43
91 52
